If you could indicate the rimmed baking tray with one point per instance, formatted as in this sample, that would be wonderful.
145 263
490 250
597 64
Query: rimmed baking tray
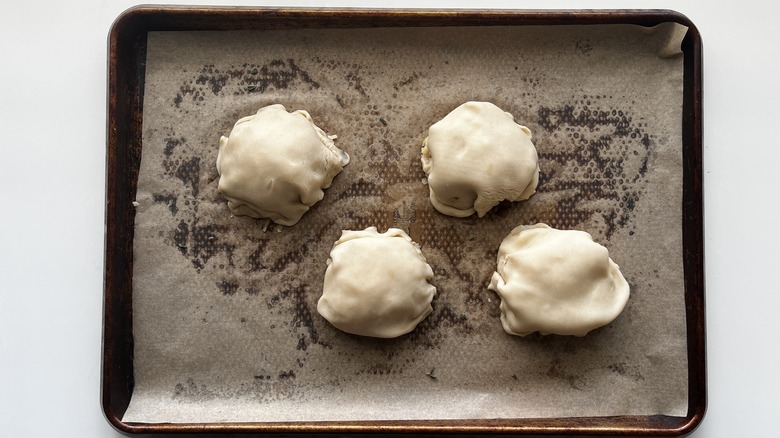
128 50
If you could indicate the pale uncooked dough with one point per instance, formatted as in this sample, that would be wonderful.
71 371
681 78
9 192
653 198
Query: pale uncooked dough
556 281
476 157
276 164
376 284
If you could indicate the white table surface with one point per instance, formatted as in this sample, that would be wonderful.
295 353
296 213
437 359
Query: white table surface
52 165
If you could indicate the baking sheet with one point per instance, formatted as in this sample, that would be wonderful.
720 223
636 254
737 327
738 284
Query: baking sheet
225 322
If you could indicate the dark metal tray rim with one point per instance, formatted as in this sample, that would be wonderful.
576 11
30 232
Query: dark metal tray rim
126 63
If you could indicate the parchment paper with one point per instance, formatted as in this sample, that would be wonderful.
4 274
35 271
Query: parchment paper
224 308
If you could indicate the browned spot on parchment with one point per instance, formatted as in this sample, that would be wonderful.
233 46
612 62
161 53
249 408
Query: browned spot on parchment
227 288
201 242
294 299
262 387
626 370
591 163
430 332
362 188
278 74
168 199
557 371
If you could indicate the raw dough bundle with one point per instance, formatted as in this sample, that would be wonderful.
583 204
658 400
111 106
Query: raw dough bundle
275 164
556 281
376 284
476 157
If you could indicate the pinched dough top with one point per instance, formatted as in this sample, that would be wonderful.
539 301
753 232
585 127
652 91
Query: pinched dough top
476 157
376 284
276 164
556 281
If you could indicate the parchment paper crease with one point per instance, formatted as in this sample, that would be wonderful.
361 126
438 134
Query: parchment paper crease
225 324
